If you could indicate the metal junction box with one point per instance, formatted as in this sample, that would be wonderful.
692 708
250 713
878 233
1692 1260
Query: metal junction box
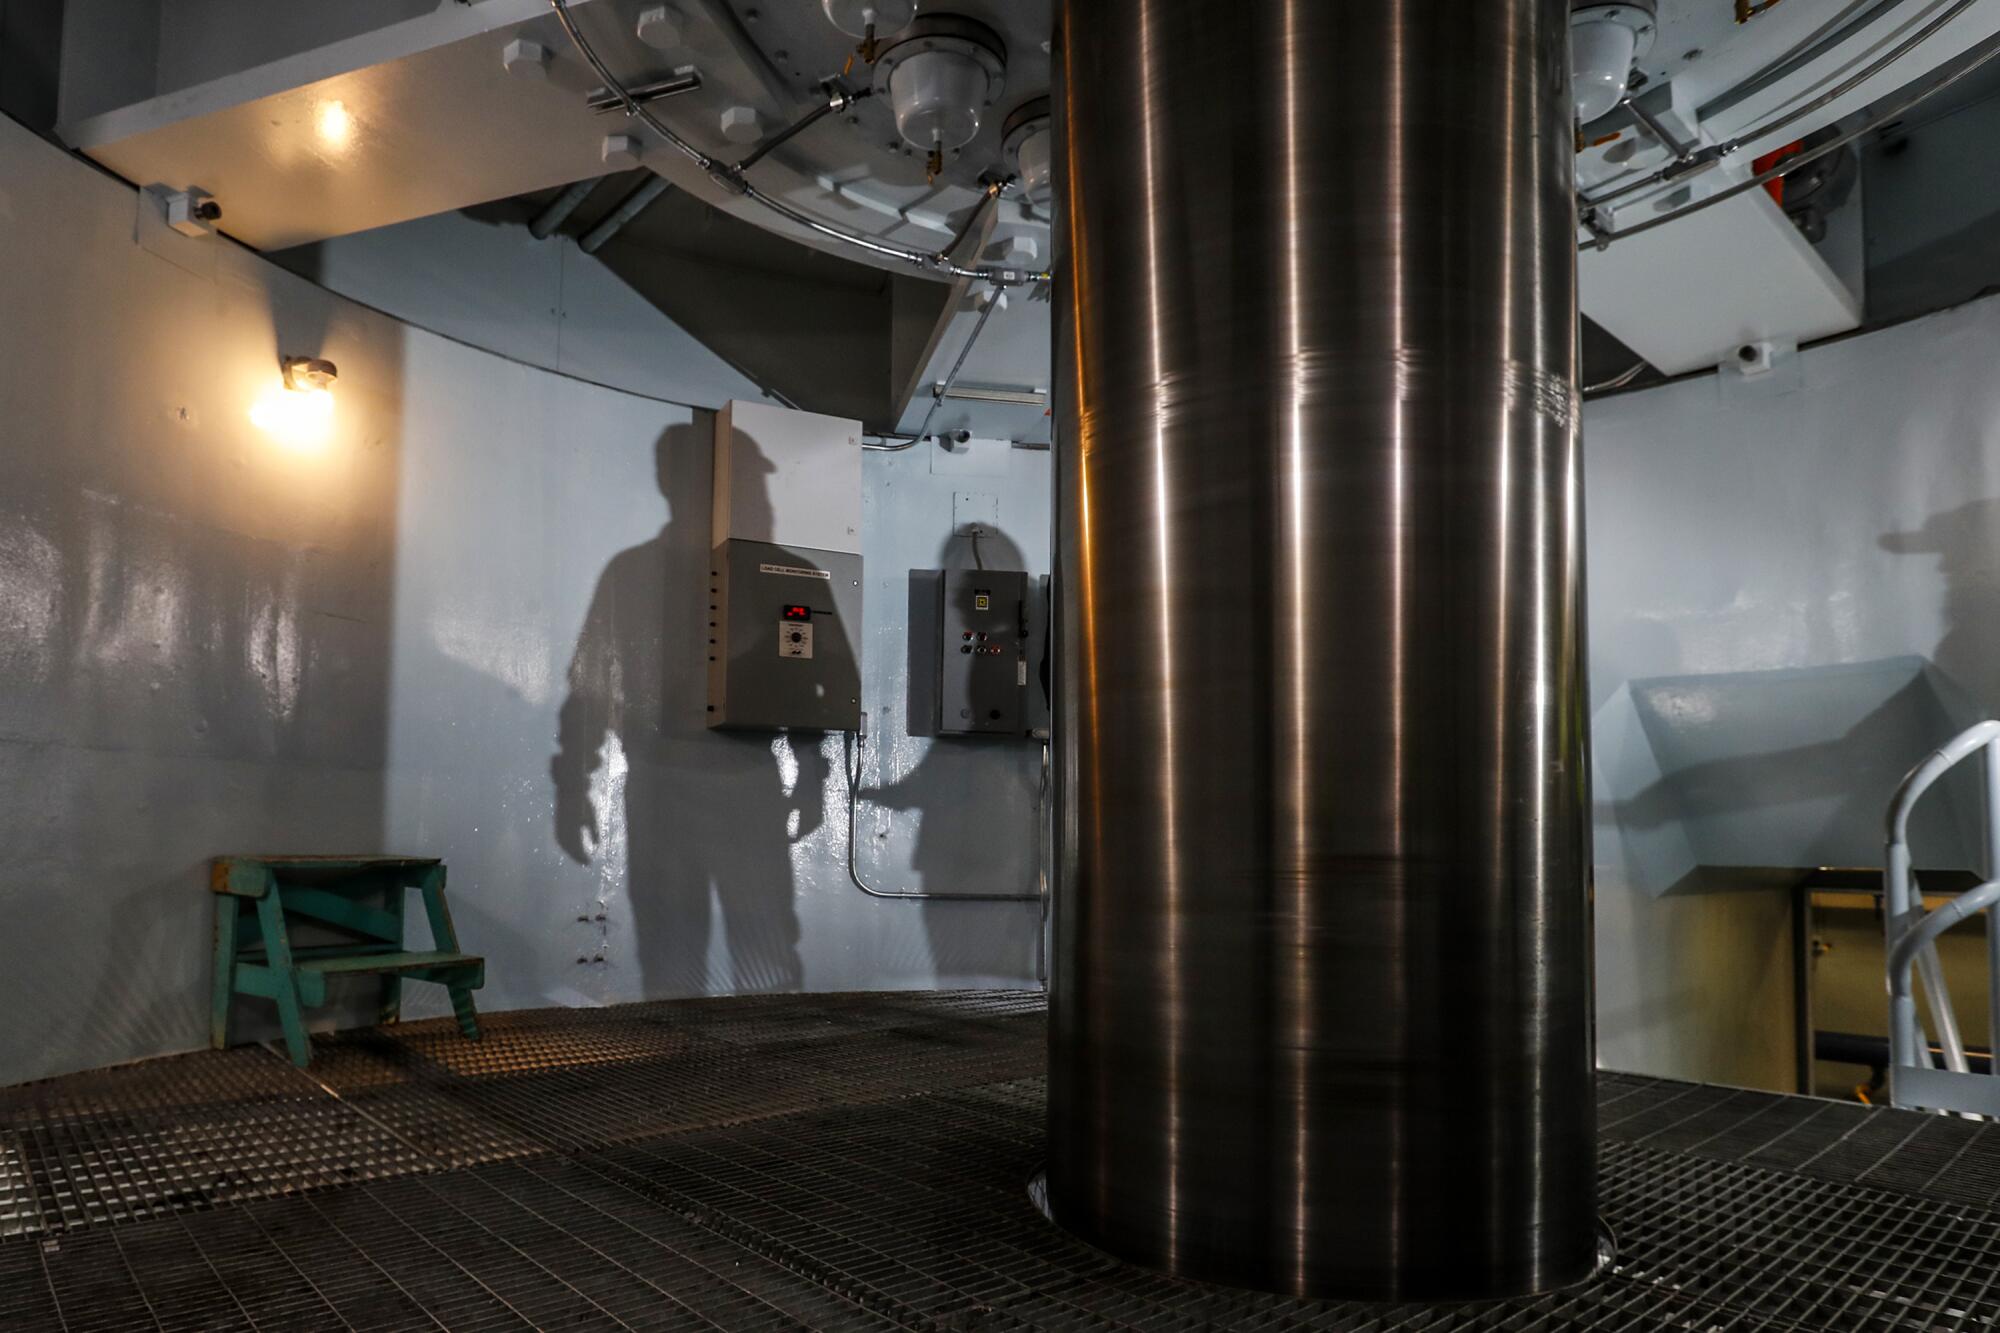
783 637
974 661
784 587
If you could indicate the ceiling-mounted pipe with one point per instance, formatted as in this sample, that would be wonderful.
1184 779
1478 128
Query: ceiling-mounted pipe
988 393
1852 81
559 209
635 203
1690 160
1666 138
1617 381
942 390
1982 54
685 80
994 188
939 264
1827 40
838 100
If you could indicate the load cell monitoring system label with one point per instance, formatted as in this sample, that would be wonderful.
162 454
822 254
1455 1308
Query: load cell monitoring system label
795 571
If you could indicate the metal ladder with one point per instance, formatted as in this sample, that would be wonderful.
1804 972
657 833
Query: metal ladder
1911 940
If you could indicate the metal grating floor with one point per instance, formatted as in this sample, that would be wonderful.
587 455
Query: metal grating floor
850 1162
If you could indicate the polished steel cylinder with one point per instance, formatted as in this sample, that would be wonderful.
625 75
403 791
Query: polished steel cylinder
1320 1009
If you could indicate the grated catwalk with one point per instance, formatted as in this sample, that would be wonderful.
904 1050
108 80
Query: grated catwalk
852 1162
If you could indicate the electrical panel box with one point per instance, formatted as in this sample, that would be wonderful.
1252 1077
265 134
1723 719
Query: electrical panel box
784 631
1041 657
975 666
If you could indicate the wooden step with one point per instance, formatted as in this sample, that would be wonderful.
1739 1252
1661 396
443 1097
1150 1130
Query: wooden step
387 962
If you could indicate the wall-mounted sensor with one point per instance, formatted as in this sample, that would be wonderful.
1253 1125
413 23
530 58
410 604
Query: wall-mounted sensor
192 212
1752 360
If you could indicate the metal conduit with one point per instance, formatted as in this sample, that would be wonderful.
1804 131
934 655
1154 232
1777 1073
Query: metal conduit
603 99
839 101
1807 52
559 209
722 173
941 391
1602 238
1852 81
1617 381
1687 159
994 189
634 204
851 757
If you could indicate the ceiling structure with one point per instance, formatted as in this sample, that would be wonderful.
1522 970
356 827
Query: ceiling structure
314 121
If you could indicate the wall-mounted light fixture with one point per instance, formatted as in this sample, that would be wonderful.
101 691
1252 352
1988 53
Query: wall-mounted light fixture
310 374
298 410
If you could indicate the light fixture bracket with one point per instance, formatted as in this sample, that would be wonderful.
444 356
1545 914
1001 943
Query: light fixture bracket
309 372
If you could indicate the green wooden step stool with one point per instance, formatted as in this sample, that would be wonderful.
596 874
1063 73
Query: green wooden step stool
254 953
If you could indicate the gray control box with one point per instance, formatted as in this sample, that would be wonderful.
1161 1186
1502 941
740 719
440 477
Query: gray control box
783 637
971 665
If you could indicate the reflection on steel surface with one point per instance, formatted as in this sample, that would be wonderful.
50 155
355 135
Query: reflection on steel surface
1321 1012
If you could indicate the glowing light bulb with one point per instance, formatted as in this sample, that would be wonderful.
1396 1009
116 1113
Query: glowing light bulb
300 419
334 124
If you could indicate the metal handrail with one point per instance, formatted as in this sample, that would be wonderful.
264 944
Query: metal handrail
1911 933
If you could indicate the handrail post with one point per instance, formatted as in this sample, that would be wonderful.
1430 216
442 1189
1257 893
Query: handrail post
1905 1044
1903 909
1992 830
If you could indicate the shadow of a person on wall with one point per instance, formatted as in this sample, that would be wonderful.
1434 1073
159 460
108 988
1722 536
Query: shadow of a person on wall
705 820
969 825
1966 542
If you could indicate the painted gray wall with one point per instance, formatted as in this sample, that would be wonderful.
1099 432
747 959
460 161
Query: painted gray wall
849 344
491 284
479 601
1932 189
208 39
30 53
120 52
110 55
1844 510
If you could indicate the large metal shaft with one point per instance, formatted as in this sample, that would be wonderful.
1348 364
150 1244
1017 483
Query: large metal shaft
1321 997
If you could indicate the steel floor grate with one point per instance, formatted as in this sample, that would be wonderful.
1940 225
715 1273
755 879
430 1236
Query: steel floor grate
851 1162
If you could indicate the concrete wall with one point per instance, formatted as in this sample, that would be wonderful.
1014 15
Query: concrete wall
1845 509
466 626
